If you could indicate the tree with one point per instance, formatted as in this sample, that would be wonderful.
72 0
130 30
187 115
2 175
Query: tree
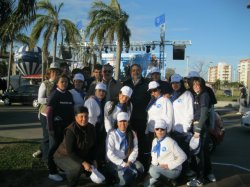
50 25
109 22
201 67
20 16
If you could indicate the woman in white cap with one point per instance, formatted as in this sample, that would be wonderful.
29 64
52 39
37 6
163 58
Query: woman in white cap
95 105
43 94
122 152
112 108
167 156
159 107
78 92
182 100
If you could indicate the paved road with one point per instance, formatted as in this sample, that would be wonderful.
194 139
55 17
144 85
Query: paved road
230 158
19 121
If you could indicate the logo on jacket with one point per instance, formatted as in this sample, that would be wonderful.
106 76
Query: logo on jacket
163 149
158 106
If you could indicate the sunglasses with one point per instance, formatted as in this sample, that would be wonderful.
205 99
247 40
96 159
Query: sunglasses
157 129
153 90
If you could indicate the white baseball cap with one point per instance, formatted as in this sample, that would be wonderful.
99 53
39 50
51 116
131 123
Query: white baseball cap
122 116
192 74
78 76
126 90
176 78
155 70
153 85
96 176
101 86
54 65
160 123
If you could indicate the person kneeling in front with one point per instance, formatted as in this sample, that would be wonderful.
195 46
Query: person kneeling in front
76 154
167 156
122 152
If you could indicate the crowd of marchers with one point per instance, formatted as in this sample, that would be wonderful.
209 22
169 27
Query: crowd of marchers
114 132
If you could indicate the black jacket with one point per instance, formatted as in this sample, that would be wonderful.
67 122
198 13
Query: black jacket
139 98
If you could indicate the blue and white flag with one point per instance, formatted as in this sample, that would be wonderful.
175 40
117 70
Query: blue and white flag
160 20
79 25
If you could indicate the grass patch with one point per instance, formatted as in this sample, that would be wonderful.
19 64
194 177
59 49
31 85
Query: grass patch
17 166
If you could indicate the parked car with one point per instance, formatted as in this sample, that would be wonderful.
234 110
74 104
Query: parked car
245 120
228 93
217 133
26 94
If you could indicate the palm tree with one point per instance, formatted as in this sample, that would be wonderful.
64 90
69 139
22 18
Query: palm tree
49 25
109 22
19 17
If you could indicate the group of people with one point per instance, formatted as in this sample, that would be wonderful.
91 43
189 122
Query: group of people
115 132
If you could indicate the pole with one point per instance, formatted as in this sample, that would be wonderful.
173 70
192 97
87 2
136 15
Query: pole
187 65
162 48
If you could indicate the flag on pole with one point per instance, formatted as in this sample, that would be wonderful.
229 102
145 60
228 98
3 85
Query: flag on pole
160 20
79 25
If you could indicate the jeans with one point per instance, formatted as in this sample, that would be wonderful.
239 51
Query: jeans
204 166
72 169
125 176
45 141
54 142
156 173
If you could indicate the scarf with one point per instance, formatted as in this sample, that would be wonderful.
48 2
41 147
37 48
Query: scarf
152 102
124 142
174 96
157 147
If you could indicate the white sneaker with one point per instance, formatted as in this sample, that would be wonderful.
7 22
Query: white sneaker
194 183
55 177
211 177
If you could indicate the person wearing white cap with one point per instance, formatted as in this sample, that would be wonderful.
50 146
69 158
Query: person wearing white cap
95 105
159 107
78 92
167 156
112 108
155 75
122 152
43 93
182 100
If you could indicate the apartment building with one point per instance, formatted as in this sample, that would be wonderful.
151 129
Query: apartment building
244 71
221 71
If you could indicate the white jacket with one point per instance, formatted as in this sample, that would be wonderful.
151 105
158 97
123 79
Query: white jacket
114 154
94 110
170 154
110 119
183 112
161 109
78 100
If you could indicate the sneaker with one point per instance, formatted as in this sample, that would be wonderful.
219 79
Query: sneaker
55 177
37 154
194 182
211 177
